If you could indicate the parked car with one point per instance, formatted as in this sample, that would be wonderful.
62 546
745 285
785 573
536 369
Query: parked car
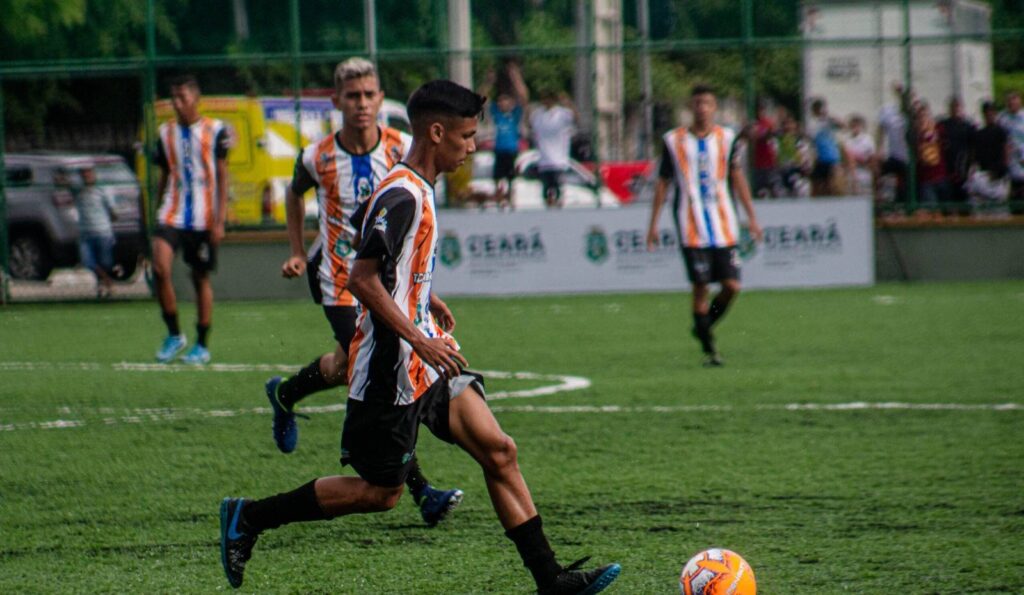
42 222
580 187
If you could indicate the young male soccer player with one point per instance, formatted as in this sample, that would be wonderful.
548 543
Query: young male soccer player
403 370
192 154
344 168
703 163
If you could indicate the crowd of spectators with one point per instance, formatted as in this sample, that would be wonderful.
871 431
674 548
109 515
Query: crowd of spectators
962 164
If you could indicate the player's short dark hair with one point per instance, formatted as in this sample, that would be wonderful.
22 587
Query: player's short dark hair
183 80
816 104
701 89
443 99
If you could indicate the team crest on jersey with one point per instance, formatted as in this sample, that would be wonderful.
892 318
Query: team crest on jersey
451 250
396 154
364 188
380 223
597 245
343 248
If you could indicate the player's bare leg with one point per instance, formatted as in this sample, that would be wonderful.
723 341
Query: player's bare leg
730 289
163 258
200 354
474 428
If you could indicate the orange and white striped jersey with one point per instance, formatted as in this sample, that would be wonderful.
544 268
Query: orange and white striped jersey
400 229
704 213
343 181
189 154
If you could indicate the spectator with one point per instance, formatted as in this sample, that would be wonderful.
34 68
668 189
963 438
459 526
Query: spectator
859 151
957 132
988 186
552 127
822 130
1012 120
764 133
794 158
95 232
507 112
932 176
892 133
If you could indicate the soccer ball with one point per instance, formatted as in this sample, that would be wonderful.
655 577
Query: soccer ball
717 572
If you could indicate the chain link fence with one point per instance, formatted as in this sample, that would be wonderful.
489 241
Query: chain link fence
84 92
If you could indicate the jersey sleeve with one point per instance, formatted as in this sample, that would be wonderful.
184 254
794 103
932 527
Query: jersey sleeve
387 224
666 169
222 143
302 181
359 215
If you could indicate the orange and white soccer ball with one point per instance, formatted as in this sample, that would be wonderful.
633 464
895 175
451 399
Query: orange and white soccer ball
717 572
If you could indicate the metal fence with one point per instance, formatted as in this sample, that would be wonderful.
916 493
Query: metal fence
92 85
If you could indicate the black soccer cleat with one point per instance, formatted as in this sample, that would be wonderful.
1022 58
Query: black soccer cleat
573 581
235 544
712 360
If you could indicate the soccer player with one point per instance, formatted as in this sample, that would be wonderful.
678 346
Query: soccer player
344 168
192 154
404 370
704 164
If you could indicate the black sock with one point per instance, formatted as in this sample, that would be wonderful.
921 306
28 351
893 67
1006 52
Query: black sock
201 331
702 326
535 551
305 382
296 506
416 482
171 320
718 308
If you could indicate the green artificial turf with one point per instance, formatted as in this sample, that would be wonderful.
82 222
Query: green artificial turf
655 461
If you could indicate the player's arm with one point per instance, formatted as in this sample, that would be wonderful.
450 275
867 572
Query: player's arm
519 87
442 313
665 173
364 283
388 221
221 145
742 191
295 219
160 159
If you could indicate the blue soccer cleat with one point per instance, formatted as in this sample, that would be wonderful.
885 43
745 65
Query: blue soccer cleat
573 581
286 431
235 543
172 346
437 505
196 356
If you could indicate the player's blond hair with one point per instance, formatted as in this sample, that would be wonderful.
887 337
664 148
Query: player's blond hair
353 68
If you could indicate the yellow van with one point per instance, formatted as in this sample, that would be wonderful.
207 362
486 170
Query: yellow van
264 146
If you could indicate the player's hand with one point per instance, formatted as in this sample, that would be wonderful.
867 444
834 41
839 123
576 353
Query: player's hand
652 239
293 267
440 355
217 234
756 232
443 315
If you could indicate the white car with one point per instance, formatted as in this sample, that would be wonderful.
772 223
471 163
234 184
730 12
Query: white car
580 187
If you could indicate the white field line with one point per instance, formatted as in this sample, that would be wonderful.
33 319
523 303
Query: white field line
111 416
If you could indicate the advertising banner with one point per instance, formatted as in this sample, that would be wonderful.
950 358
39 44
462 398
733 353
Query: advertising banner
807 243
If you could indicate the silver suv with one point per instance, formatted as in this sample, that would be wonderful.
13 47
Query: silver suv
41 217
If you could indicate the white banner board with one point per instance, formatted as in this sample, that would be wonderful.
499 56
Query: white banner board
807 243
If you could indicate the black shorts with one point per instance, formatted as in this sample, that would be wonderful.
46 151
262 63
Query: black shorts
379 438
313 261
711 265
551 183
343 323
199 253
504 166
822 171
